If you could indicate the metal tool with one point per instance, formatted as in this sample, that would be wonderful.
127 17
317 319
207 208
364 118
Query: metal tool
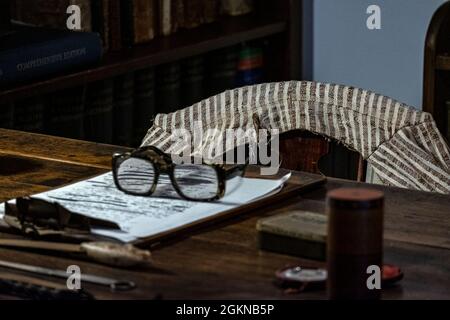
113 254
26 287
113 284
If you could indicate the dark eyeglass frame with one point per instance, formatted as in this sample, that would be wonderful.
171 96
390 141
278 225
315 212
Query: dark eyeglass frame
162 163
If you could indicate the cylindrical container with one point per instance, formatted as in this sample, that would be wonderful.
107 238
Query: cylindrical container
354 242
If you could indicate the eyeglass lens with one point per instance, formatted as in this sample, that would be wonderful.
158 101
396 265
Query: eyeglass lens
136 175
197 181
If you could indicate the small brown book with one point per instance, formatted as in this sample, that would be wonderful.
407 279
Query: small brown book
167 17
139 21
299 233
210 10
115 25
237 7
100 21
193 13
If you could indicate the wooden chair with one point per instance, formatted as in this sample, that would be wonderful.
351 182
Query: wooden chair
303 151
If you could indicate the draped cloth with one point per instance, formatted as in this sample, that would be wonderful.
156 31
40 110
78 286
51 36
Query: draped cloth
402 144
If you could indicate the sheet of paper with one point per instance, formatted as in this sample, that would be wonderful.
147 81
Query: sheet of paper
141 217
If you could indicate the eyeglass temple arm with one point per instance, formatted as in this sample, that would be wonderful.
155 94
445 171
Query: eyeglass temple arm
235 170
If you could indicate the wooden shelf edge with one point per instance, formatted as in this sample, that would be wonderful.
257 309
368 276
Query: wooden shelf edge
228 32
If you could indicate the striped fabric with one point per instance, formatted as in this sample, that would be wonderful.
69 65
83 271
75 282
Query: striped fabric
402 144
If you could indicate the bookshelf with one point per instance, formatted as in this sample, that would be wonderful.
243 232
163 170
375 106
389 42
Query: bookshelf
275 22
278 22
436 81
186 43
276 19
274 25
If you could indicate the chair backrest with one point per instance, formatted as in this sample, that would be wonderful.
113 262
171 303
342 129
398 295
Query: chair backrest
303 151
402 144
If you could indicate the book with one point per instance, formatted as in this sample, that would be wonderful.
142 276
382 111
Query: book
29 115
98 112
193 13
144 103
64 113
210 10
222 71
250 69
52 13
123 110
6 115
16 9
5 17
168 87
166 17
115 25
100 21
28 53
299 233
236 7
193 71
138 21
177 8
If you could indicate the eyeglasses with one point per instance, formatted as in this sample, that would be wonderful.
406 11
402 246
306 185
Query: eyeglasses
137 173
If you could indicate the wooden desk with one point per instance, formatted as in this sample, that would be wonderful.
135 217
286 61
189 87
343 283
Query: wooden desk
223 261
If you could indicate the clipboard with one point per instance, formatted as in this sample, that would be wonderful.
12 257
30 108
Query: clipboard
298 183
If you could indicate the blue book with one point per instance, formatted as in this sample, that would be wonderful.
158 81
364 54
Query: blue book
28 53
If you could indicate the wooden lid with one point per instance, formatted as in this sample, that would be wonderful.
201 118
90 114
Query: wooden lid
356 198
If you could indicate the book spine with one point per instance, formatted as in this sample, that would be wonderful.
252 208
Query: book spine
86 14
153 18
123 110
166 26
126 22
193 13
250 66
100 21
64 114
16 10
236 7
144 13
5 16
168 88
29 115
144 104
30 62
115 25
40 13
138 21
193 80
98 117
222 70
6 115
177 8
210 10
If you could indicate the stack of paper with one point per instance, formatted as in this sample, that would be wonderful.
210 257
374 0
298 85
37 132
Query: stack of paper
141 217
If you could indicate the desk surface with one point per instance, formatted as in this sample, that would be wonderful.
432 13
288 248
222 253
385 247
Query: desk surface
223 261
